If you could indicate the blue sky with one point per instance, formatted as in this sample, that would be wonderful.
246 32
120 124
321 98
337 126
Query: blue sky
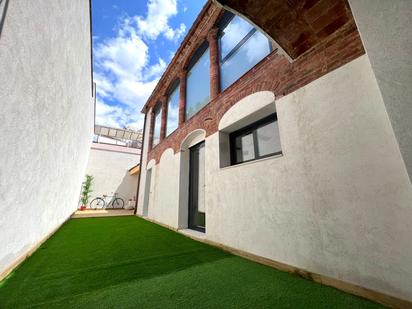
133 42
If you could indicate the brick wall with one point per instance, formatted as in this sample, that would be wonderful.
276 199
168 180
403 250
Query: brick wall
296 25
274 73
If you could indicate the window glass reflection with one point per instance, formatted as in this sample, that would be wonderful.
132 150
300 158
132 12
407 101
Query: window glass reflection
245 149
173 111
268 139
157 125
198 85
241 48
234 32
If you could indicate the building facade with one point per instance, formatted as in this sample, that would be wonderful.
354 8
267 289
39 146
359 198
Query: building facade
282 149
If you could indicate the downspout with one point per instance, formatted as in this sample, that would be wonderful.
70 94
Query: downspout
3 15
141 158
91 45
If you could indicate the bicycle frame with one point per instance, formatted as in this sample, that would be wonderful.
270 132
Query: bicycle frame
109 202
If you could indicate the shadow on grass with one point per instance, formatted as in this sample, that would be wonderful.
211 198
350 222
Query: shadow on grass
39 282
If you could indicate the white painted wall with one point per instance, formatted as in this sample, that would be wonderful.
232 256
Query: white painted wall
46 119
385 29
110 170
145 147
338 202
165 176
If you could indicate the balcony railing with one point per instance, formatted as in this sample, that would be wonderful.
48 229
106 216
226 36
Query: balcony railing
119 137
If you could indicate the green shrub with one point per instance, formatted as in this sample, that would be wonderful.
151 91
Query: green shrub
86 189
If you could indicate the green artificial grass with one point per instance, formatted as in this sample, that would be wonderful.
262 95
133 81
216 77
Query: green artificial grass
127 262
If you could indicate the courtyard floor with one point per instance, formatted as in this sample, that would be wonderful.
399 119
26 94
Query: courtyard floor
127 262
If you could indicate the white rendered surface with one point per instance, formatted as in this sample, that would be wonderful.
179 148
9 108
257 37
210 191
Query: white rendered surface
337 202
110 170
46 119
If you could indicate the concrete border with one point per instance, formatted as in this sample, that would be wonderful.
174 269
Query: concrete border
102 213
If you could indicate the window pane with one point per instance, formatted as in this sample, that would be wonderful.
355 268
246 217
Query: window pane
198 85
233 33
173 111
157 124
268 139
245 58
245 149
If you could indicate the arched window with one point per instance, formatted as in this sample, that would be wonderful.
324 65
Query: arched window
157 124
172 121
241 47
198 81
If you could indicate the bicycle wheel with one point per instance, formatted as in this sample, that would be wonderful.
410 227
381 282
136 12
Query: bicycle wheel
118 203
97 203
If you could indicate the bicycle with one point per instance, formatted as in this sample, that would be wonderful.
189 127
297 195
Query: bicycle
100 202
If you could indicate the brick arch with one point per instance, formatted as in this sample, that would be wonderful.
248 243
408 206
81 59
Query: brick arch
195 136
296 25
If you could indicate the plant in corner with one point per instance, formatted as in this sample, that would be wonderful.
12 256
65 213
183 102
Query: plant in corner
86 190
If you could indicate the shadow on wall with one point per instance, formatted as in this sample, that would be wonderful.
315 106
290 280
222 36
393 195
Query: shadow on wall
128 187
4 4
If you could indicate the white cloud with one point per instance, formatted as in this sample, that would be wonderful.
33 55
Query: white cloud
124 71
157 20
155 70
175 34
104 84
124 56
171 55
108 115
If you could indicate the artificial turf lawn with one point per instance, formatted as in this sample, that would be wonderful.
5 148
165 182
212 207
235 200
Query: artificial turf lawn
127 262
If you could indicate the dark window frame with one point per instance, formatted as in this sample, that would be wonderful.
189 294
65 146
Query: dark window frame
226 19
202 48
174 87
251 129
157 109
197 54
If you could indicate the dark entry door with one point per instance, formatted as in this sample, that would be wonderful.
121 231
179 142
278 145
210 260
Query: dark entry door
197 218
147 192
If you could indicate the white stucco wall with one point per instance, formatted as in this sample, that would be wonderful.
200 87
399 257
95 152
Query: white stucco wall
46 119
110 170
385 29
337 202
166 175
145 146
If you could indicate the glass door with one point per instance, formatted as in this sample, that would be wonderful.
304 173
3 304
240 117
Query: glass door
197 217
147 192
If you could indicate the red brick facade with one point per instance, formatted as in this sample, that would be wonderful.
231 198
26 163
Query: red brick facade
296 25
214 63
274 73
